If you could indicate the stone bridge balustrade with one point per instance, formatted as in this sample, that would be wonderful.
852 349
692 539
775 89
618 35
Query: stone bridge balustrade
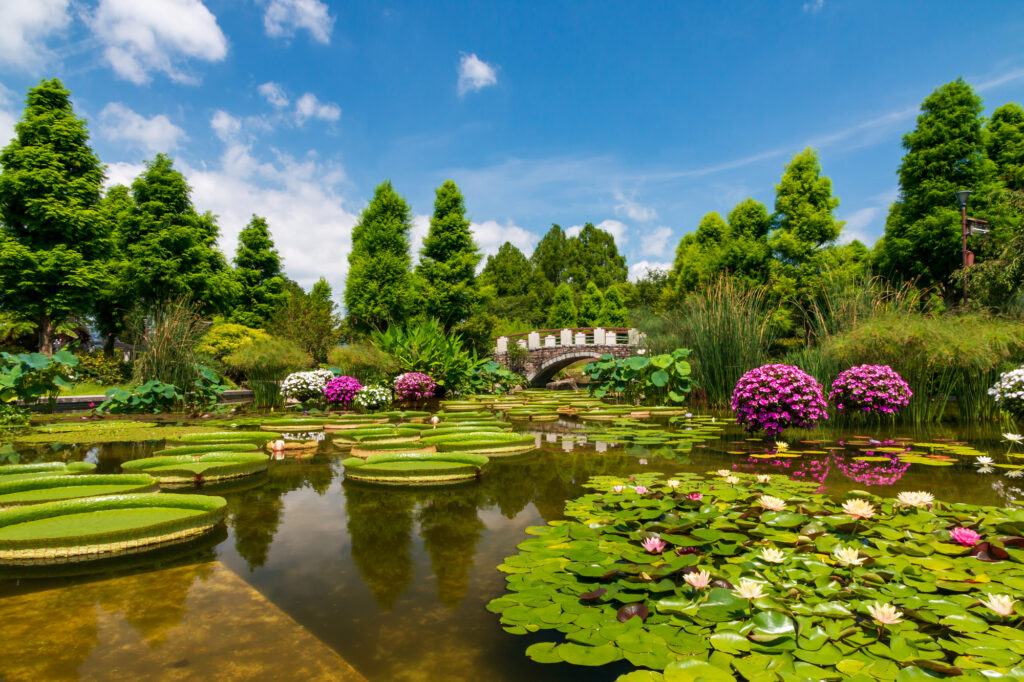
549 350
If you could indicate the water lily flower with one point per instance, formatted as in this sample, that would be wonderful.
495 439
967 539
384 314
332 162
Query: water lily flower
641 490
277 445
764 478
672 483
848 556
724 472
434 420
1015 473
695 496
1013 438
983 460
642 461
618 488
773 555
698 580
965 536
915 499
1002 604
886 614
781 446
654 545
859 508
732 480
771 503
986 469
748 589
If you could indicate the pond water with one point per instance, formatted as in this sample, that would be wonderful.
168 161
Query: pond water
396 581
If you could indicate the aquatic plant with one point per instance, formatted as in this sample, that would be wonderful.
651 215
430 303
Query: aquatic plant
1008 392
725 588
414 386
341 390
772 398
414 468
870 389
304 386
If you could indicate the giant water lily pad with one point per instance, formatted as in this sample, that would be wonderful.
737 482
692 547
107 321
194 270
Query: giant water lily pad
415 469
10 472
191 470
39 489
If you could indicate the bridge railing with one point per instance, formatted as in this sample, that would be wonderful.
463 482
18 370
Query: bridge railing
570 337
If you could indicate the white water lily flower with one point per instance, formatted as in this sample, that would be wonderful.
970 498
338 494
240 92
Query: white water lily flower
764 478
724 472
781 446
1013 437
1002 604
848 556
771 503
773 555
748 589
1015 473
985 469
915 499
732 480
698 580
983 460
886 614
672 483
858 508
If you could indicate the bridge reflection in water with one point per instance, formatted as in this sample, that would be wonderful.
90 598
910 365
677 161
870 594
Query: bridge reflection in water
549 350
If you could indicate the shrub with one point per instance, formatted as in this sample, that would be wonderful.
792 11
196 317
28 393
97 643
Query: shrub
414 386
151 397
651 380
12 416
341 390
224 338
870 389
364 361
772 398
425 347
305 386
373 397
264 363
1008 392
95 366
30 376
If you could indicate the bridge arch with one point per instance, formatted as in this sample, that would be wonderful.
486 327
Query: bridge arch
548 368
545 351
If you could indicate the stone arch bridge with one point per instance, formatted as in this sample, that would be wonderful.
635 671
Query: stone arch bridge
549 350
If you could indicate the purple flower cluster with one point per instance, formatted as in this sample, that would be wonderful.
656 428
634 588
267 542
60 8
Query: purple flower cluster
870 389
771 398
340 391
414 386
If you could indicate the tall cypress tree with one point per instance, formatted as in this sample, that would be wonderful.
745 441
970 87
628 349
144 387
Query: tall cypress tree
448 260
170 249
590 307
1004 142
563 311
258 272
52 243
803 219
613 309
378 289
549 257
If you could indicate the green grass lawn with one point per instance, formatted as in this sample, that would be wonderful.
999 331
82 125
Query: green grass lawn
89 388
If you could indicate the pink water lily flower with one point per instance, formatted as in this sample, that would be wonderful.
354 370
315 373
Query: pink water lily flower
618 488
965 536
654 545
641 490
695 496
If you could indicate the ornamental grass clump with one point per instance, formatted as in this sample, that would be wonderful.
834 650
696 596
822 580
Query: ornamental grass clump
305 386
1008 392
870 389
414 386
341 390
773 397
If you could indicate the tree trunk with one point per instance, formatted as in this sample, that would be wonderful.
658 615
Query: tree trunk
45 334
108 346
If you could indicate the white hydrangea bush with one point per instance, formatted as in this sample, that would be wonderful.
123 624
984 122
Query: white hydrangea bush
373 397
1008 392
303 386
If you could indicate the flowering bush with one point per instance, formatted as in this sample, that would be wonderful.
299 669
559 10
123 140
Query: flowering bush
414 386
1008 392
771 398
870 389
303 386
373 397
341 390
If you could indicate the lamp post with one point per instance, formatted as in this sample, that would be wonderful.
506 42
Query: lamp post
962 196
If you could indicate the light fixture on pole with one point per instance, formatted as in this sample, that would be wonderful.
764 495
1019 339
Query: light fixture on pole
962 196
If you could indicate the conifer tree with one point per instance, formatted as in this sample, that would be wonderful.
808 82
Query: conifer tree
563 312
613 310
1004 142
52 242
259 276
591 306
114 300
448 260
378 289
803 219
592 256
508 271
549 257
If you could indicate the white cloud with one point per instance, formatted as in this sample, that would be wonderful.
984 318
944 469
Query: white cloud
24 28
491 234
420 228
152 35
614 227
656 241
284 17
123 173
274 94
639 269
155 134
225 126
8 115
814 6
628 208
856 224
308 106
475 74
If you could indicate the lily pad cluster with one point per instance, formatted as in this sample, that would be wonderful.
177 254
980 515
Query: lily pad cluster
756 577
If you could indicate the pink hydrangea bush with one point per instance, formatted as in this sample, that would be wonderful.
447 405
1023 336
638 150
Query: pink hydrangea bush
774 397
414 386
870 389
341 390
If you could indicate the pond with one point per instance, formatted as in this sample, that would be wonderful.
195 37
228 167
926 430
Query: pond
396 580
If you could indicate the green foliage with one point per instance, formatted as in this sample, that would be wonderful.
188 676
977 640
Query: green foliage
152 397
52 241
265 362
803 222
259 276
424 347
169 343
563 311
1004 143
550 257
12 417
493 377
30 376
224 338
590 308
97 367
311 320
521 292
448 260
648 291
170 250
378 289
658 380
592 256
508 271
364 361
613 309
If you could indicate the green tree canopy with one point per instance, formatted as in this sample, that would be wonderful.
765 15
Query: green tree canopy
114 301
310 320
508 271
448 260
803 221
699 254
613 309
563 312
592 256
1004 142
53 243
170 250
591 306
259 276
549 257
378 289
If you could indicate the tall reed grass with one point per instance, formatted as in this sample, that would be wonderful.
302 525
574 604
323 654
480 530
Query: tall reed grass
265 363
168 340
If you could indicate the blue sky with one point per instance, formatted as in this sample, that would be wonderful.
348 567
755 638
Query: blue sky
640 117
